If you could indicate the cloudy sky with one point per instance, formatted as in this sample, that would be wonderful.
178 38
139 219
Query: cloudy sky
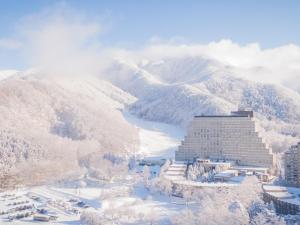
246 34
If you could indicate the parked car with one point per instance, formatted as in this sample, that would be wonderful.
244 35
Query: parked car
73 200
42 211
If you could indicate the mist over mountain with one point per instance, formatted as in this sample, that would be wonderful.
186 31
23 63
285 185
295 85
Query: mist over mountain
48 116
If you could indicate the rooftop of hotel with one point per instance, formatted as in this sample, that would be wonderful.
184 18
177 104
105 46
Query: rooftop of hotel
239 113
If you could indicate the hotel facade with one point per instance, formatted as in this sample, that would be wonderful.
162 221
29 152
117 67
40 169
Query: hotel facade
232 137
292 166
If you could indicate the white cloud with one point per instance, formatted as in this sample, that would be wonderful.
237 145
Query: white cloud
61 41
276 65
9 44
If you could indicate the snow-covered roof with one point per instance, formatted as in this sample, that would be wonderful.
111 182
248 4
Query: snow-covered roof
218 163
226 174
251 168
205 184
282 195
285 194
273 188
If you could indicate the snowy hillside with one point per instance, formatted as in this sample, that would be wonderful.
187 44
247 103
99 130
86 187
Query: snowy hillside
60 119
173 90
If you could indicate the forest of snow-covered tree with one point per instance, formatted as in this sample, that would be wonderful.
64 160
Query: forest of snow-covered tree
46 125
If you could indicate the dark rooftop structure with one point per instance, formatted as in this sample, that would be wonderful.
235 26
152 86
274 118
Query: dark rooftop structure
239 113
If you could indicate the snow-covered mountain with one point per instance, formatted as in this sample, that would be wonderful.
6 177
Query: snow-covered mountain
58 119
49 117
173 90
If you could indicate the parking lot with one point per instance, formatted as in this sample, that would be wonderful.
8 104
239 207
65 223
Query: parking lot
39 204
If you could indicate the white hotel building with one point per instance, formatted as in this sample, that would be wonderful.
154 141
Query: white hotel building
232 137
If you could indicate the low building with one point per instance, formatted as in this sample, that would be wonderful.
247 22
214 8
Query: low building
286 199
292 166
225 175
234 137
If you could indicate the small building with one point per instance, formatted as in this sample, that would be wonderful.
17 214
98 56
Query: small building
286 200
226 175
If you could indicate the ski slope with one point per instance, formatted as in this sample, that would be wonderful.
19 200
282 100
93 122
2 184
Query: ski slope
157 140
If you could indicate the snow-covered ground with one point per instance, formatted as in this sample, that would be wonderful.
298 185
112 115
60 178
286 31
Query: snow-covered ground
45 195
129 198
157 140
140 201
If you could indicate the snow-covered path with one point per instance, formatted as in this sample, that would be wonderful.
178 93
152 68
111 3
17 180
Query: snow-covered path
157 140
